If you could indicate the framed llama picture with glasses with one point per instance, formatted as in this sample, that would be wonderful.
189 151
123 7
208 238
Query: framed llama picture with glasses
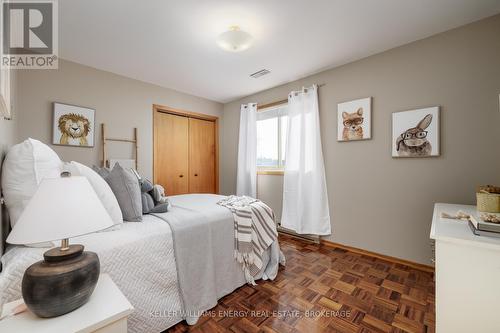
354 120
415 133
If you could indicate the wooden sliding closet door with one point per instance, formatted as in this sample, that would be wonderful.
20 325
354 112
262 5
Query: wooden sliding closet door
185 151
171 149
201 156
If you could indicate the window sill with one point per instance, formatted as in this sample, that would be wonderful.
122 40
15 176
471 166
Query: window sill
271 172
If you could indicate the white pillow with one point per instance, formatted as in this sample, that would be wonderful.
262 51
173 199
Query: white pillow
25 165
102 189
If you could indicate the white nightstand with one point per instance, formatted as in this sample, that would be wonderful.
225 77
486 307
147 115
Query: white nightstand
105 312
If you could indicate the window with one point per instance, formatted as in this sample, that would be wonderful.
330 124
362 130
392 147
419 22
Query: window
271 137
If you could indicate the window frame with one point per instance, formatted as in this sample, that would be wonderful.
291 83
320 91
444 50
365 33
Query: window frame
280 169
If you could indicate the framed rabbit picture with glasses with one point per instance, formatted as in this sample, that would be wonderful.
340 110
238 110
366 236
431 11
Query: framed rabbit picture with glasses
415 133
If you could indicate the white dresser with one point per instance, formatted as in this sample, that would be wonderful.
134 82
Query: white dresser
467 275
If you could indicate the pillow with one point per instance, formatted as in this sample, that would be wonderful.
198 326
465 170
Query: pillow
102 189
25 165
125 186
103 172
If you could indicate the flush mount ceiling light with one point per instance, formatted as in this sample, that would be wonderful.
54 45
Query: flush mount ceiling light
235 39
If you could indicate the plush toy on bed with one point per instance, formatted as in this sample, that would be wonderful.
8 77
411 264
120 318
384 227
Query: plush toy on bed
153 198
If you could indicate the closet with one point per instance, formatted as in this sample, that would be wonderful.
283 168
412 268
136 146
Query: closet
185 151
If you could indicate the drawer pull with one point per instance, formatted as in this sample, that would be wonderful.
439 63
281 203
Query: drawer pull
181 176
196 175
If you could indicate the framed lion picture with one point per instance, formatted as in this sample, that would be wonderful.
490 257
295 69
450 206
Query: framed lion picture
73 125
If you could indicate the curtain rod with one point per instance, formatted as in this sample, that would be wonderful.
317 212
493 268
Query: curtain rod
296 92
283 101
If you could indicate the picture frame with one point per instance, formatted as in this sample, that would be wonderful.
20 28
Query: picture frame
73 125
416 133
354 120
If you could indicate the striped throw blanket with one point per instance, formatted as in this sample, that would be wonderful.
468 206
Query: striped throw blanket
254 231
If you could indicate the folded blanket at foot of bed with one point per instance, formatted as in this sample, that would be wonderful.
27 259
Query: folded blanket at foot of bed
254 231
204 251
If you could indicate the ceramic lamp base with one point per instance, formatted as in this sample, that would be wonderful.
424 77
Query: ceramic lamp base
62 282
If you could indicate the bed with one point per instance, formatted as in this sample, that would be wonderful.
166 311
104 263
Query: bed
141 260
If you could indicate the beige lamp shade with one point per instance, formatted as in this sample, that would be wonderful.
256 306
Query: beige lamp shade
61 208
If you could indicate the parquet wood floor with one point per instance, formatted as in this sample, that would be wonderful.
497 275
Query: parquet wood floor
325 289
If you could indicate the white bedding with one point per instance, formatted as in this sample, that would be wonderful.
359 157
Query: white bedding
139 257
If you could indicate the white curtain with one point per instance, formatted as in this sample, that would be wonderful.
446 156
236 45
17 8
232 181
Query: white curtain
246 183
305 198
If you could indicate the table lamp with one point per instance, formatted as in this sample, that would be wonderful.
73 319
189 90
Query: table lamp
60 209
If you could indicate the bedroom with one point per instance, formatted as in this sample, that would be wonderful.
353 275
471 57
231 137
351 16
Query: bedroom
361 247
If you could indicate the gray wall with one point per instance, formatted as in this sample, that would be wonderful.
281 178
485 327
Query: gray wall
7 139
8 128
122 103
383 204
7 134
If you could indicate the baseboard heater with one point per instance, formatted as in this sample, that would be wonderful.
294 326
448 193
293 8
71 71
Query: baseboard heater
311 238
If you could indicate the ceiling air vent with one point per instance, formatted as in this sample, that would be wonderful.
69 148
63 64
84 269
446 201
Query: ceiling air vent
260 73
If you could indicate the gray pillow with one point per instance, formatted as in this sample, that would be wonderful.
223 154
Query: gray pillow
103 172
126 188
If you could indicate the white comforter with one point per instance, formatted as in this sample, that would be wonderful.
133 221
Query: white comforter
140 259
